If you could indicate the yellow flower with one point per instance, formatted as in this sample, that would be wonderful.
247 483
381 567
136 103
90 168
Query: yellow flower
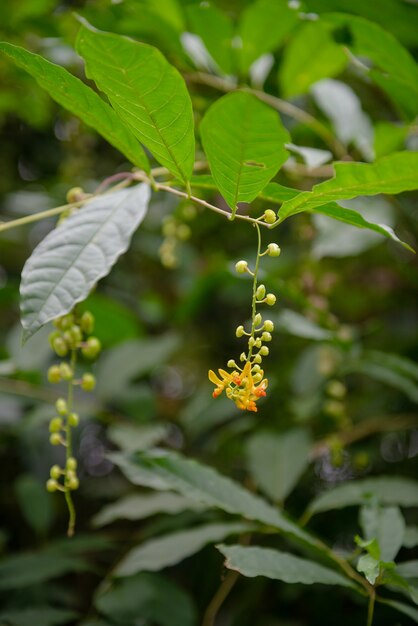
239 387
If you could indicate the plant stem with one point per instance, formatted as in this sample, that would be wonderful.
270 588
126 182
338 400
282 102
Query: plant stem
67 491
370 611
219 598
254 299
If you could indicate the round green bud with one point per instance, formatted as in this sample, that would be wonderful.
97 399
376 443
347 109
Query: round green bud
257 358
334 408
241 267
56 424
269 216
231 363
269 326
54 374
257 343
88 382
65 371
52 336
239 331
66 321
336 389
60 347
257 377
51 485
55 439
273 249
73 483
61 406
264 351
256 369
242 356
183 232
70 475
73 419
261 292
266 336
75 194
75 334
258 319
92 348
55 472
71 464
87 322
271 299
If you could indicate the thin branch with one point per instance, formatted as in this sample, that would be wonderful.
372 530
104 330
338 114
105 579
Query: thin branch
287 108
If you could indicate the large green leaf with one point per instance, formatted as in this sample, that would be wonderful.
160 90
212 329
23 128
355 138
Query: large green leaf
22 570
73 257
204 484
147 598
386 489
216 31
244 143
283 566
35 503
386 525
277 461
391 174
37 616
311 55
82 101
141 506
157 554
263 26
146 92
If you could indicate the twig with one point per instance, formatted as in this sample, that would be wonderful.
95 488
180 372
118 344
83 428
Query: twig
219 598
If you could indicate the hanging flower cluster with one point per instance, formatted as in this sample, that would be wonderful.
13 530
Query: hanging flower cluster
247 384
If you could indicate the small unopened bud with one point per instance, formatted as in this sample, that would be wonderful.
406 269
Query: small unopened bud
336 389
71 463
256 369
264 351
60 347
257 343
257 377
271 299
257 358
66 371
261 292
269 216
55 472
251 342
73 483
75 194
239 331
51 485
269 326
242 356
231 363
87 322
88 382
73 419
258 319
241 267
55 425
92 348
55 439
61 406
54 374
266 336
273 249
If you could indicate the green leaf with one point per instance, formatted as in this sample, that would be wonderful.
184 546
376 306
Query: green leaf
204 484
289 321
171 549
39 616
147 598
408 569
402 608
244 143
391 174
410 539
399 92
277 461
392 369
272 192
80 100
388 137
277 565
369 566
22 570
35 503
135 507
215 30
146 92
263 27
130 437
311 55
386 525
65 266
386 489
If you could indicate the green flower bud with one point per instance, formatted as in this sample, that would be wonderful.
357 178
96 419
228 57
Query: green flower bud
52 336
61 406
87 322
71 463
256 369
55 439
183 232
73 484
92 348
51 485
239 331
269 326
257 343
273 249
242 356
88 382
231 363
266 336
258 319
257 378
73 419
241 267
65 371
269 216
54 374
264 351
271 299
55 472
261 292
60 346
66 321
75 194
56 424
257 358
336 389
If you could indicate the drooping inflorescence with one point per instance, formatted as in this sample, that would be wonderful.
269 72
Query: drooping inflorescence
247 384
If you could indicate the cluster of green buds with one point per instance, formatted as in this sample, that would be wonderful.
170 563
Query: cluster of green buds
175 230
71 338
246 383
